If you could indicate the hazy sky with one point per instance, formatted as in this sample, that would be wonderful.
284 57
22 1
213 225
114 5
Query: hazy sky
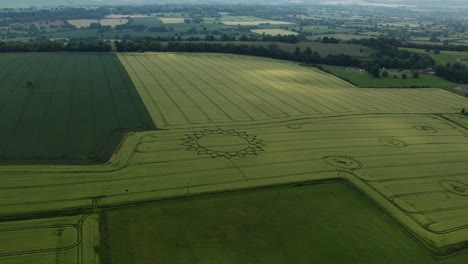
28 3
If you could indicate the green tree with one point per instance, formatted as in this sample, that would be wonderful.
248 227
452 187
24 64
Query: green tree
375 71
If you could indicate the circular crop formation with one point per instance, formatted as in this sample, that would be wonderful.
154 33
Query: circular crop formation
295 126
392 142
343 162
223 143
455 187
427 129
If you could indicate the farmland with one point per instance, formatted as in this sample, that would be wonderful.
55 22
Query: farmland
444 56
250 21
197 94
205 240
274 31
65 107
172 20
85 23
364 79
235 132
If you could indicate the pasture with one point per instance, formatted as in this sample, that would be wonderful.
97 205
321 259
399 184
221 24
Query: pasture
150 21
256 23
344 37
365 80
444 56
250 21
86 23
228 127
274 32
63 108
172 20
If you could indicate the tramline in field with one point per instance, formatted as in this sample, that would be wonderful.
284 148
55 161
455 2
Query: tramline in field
228 123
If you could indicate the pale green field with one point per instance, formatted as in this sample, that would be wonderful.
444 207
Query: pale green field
274 32
70 240
181 89
231 122
412 165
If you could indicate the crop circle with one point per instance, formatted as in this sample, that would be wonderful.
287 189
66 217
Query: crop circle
455 187
392 142
427 129
343 162
223 143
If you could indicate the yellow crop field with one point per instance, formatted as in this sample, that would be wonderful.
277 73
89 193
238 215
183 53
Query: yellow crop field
181 89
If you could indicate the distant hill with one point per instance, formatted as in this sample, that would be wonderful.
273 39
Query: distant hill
42 3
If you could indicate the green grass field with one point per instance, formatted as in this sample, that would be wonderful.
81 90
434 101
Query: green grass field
344 37
324 223
147 21
274 32
365 80
230 123
78 109
445 56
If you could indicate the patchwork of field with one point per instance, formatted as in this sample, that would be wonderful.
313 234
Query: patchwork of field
256 23
274 32
226 123
117 16
340 36
181 89
250 21
65 108
85 23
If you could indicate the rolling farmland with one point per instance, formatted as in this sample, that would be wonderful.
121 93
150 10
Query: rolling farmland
228 88
274 32
231 123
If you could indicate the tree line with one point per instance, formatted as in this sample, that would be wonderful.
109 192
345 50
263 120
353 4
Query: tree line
52 46
456 72
271 51
385 55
